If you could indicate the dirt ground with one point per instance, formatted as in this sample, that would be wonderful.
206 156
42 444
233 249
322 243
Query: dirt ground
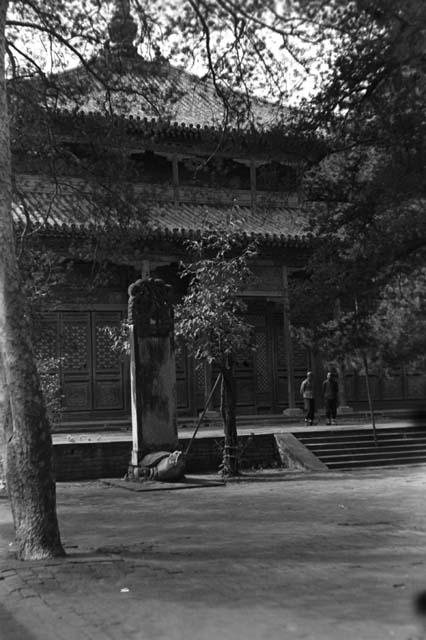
327 556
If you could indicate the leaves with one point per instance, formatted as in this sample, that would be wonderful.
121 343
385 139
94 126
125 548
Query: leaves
209 320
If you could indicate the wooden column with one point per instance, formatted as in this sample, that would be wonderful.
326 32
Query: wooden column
253 184
175 177
291 385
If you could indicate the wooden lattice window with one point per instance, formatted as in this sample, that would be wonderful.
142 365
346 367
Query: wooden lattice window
75 345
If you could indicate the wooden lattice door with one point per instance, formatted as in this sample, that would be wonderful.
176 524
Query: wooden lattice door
76 359
280 374
253 369
92 372
262 364
182 381
107 366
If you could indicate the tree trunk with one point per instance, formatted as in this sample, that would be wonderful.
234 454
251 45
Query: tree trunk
370 399
28 441
5 418
228 411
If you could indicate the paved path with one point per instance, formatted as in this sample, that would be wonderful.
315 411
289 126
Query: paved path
335 556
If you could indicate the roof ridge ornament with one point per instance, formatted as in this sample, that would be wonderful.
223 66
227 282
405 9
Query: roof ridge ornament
122 29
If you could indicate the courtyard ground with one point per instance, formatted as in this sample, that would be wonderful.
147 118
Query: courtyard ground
287 556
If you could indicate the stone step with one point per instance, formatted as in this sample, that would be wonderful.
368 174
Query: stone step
345 434
383 445
371 453
376 462
330 454
362 441
357 448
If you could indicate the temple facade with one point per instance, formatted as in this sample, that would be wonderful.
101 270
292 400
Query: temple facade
143 163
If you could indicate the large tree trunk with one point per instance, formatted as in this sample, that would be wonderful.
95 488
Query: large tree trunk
229 417
5 418
28 441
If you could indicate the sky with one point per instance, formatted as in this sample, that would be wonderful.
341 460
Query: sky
296 81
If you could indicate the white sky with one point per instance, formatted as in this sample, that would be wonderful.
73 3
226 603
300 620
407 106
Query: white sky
296 80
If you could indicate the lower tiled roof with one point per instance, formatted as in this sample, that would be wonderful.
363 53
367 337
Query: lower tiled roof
64 212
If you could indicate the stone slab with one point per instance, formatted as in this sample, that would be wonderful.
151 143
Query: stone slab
294 455
151 485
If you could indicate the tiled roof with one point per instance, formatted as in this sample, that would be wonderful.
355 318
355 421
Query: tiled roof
66 210
137 88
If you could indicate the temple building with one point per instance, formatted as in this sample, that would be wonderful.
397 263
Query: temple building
155 133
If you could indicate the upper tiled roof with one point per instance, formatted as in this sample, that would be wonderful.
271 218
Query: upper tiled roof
141 88
137 88
56 209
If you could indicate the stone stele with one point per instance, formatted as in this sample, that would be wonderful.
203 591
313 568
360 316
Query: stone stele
152 369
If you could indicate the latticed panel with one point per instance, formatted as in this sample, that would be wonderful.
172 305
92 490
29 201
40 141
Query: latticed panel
244 361
300 356
76 396
46 343
181 379
108 395
106 358
181 357
198 382
75 345
199 378
263 384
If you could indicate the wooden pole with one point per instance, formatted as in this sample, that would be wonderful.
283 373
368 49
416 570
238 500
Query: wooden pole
253 185
175 177
201 417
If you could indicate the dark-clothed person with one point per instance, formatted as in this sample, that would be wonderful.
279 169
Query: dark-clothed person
330 390
308 395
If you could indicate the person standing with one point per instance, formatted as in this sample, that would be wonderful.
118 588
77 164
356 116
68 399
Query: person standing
330 390
308 395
